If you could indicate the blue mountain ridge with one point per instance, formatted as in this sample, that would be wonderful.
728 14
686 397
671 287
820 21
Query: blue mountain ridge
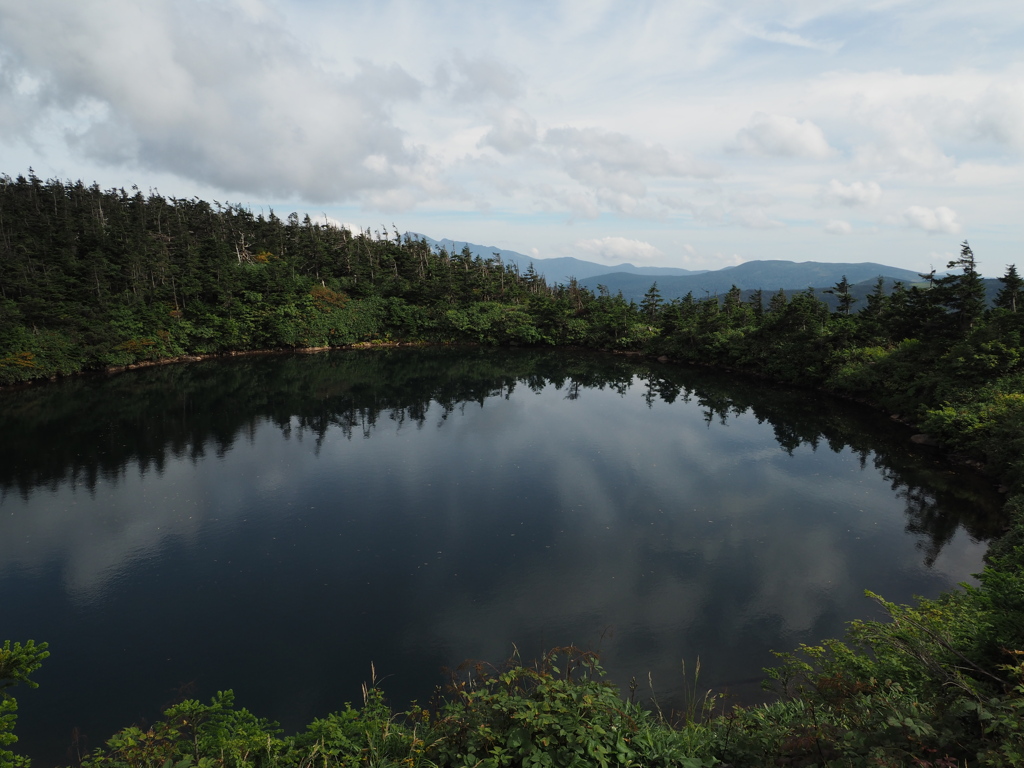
633 281
557 270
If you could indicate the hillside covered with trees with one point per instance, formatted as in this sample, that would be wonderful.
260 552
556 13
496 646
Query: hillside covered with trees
92 279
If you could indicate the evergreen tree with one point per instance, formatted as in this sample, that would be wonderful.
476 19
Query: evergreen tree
841 290
17 662
757 304
650 307
1009 295
963 295
778 302
732 301
871 324
877 300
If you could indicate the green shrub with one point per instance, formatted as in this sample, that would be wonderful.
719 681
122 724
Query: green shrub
17 663
554 715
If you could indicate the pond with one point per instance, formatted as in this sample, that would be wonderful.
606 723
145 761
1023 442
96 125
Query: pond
277 524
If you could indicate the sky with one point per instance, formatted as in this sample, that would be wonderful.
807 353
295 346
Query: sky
658 132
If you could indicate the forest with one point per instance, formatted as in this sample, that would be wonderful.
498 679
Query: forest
101 280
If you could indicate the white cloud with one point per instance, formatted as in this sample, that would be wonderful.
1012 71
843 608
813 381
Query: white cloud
997 114
592 155
838 227
756 219
919 125
898 153
857 193
580 203
787 37
747 199
615 250
966 107
390 83
709 214
394 200
938 220
782 136
513 131
227 99
616 168
482 77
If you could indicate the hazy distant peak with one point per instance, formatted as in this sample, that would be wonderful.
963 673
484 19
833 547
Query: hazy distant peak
554 270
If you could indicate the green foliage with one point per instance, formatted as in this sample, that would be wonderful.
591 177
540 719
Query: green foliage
558 712
1002 720
17 662
854 370
933 685
1009 297
33 355
987 421
555 713
962 295
842 291
650 307
193 733
370 736
492 323
100 278
658 745
548 715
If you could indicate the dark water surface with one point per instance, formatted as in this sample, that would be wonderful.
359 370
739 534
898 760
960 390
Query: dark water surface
275 524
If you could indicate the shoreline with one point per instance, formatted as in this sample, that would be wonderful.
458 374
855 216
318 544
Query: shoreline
198 358
919 438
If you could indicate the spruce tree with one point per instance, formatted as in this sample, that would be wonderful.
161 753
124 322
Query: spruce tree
650 307
842 291
963 295
1009 295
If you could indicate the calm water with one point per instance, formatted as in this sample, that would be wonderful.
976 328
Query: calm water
274 525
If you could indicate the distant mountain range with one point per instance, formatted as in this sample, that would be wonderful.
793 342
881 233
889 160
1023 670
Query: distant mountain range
769 276
635 281
554 270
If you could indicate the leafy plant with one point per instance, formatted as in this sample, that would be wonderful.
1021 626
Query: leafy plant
556 714
17 662
205 735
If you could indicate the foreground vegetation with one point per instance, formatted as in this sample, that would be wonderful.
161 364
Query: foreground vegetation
91 279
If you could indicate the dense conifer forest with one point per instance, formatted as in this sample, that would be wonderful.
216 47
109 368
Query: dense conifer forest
95 279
